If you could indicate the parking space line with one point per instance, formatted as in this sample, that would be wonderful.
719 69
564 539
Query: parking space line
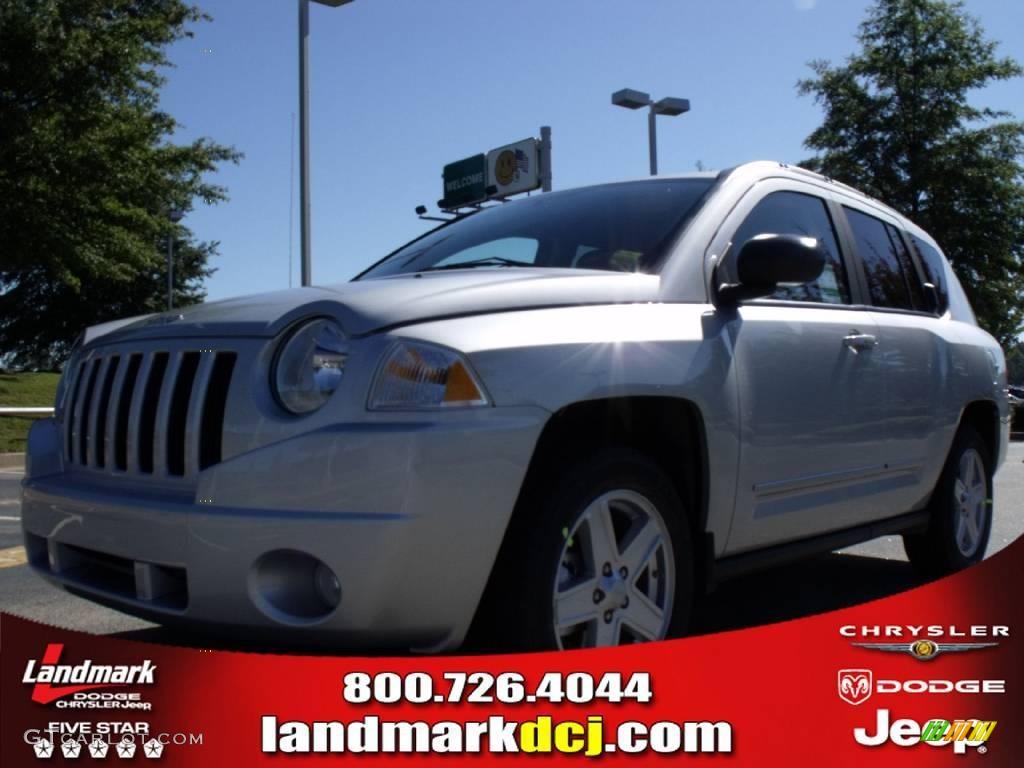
12 556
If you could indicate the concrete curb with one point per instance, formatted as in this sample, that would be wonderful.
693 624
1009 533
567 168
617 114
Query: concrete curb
8 460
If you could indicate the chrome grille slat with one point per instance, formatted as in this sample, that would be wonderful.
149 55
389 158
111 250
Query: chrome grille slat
150 406
122 429
80 444
194 418
163 412
92 421
120 396
110 435
69 411
135 412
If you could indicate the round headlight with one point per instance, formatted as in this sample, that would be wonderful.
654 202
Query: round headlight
309 366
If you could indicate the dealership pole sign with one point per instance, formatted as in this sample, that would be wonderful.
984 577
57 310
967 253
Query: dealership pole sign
465 182
500 173
514 168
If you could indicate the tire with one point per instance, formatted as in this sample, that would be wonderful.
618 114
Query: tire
961 511
555 565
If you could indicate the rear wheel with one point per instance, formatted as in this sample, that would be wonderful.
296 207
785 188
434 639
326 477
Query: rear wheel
961 511
603 558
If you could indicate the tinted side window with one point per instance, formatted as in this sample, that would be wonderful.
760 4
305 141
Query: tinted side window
934 270
887 282
909 270
794 213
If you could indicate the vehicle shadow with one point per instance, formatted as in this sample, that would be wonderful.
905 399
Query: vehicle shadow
249 642
825 583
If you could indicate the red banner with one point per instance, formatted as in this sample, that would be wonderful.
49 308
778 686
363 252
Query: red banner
932 676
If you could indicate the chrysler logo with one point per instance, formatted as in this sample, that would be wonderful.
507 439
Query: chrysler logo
924 650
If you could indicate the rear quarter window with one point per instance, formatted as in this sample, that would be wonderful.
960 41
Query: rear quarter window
909 270
934 270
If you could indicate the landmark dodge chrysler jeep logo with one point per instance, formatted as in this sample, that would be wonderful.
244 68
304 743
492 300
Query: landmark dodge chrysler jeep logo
83 677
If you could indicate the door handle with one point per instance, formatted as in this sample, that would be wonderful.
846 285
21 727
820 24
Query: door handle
857 341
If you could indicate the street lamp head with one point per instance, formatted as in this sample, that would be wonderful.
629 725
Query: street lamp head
671 106
333 3
175 215
631 99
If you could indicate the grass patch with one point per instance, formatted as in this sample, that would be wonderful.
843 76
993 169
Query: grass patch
26 390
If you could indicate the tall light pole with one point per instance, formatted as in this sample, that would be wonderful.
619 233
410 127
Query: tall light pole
669 106
175 215
304 218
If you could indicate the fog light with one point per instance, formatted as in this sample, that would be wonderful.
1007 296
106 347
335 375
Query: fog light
294 587
327 585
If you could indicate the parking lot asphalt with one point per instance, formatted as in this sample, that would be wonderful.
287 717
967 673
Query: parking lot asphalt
839 579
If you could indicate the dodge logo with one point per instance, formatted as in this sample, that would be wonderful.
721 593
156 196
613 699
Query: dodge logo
855 685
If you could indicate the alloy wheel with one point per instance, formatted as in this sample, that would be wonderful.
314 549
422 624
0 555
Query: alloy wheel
970 491
616 575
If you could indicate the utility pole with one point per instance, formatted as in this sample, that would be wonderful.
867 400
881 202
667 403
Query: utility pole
669 106
304 218
304 204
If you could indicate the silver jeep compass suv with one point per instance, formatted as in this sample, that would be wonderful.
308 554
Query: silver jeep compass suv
554 420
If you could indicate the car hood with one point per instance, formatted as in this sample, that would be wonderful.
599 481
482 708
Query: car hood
368 306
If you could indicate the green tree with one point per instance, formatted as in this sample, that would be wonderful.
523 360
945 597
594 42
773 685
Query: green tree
899 124
89 171
1015 362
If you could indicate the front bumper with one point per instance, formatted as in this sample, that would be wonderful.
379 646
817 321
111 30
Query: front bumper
408 515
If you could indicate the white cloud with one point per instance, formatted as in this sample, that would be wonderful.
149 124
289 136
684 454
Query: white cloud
805 5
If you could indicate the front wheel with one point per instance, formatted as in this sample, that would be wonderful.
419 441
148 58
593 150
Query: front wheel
961 511
604 558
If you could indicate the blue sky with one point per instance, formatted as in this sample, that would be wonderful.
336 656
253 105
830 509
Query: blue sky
401 87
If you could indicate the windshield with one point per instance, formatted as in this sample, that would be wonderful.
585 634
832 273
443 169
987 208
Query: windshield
623 227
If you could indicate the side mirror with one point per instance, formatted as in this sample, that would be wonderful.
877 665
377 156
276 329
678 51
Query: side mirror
767 261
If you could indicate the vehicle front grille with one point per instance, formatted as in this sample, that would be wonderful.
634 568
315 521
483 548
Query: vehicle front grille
148 412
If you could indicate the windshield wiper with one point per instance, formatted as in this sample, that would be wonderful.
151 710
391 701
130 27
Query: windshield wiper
489 261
